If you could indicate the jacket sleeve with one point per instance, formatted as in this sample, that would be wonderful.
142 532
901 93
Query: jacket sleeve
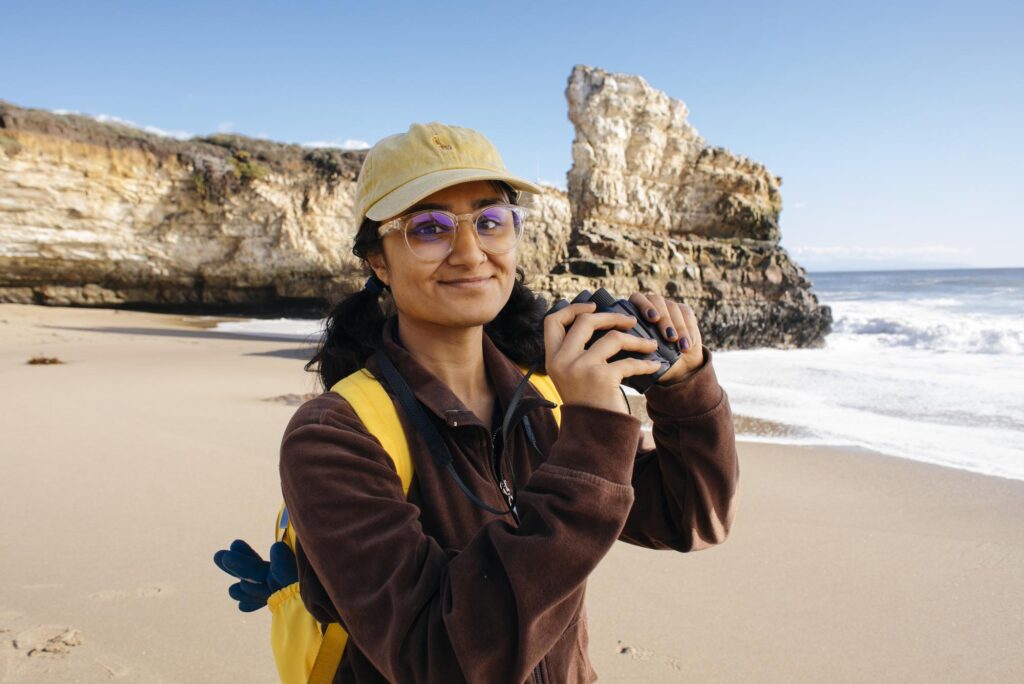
489 612
686 488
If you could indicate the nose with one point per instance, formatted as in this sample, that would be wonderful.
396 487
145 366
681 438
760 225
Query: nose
466 249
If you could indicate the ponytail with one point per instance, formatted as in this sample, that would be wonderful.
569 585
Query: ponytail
353 328
352 332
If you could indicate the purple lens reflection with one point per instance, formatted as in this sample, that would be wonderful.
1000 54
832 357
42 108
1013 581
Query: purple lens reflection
494 219
428 217
429 226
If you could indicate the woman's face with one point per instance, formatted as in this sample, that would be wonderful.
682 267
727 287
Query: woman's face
430 291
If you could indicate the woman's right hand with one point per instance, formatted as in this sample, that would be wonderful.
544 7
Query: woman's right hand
584 376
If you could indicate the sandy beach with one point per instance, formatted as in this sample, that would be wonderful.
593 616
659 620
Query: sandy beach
155 443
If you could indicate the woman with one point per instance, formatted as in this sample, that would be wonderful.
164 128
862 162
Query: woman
433 586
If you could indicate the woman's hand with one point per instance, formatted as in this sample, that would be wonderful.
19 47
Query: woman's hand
584 376
678 324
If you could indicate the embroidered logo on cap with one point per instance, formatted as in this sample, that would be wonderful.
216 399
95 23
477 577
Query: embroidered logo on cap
440 143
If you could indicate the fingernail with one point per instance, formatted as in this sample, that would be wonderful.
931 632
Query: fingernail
685 344
671 332
651 313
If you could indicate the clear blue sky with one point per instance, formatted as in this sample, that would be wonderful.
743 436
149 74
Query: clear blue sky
897 126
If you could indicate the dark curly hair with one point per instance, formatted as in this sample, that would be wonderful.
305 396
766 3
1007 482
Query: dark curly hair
353 328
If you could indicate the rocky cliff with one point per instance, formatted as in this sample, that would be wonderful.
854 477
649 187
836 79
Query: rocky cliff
654 207
103 214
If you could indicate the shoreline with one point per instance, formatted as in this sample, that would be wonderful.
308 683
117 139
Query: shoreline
858 450
749 429
155 443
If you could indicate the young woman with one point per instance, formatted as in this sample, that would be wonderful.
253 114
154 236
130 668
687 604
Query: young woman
433 586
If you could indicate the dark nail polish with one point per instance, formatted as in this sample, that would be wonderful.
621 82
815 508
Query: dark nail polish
651 313
671 332
685 344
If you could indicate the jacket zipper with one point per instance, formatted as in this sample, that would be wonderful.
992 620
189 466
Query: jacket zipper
537 675
503 486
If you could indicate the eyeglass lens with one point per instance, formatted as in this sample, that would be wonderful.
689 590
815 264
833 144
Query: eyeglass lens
431 234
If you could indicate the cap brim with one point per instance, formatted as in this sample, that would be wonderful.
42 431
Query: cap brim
403 197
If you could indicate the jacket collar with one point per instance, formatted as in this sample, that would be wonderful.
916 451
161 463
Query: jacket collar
436 396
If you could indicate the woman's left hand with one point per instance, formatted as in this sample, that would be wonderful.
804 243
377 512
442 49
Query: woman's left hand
678 324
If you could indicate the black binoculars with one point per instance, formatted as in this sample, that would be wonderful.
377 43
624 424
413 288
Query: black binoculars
666 354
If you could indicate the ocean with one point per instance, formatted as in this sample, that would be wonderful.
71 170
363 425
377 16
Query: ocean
924 365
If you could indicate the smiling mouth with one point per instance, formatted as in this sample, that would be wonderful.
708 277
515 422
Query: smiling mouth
471 282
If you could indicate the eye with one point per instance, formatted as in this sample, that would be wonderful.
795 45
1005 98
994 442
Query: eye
429 226
493 219
425 229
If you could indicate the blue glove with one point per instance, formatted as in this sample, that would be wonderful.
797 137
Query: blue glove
259 578
283 570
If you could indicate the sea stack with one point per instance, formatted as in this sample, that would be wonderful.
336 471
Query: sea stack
655 208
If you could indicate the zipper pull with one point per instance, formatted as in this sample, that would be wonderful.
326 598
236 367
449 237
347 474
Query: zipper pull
507 491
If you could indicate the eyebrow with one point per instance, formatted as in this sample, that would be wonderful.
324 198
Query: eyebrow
483 202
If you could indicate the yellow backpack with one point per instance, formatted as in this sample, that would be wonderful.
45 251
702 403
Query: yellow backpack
304 654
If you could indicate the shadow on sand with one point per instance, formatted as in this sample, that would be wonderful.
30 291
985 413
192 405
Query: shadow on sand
304 349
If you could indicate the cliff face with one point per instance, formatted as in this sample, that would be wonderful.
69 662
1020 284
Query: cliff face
655 208
102 214
638 163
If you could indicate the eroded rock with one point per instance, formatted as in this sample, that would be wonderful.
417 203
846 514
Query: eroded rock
656 208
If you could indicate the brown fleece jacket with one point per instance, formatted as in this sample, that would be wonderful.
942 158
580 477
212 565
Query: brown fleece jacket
432 588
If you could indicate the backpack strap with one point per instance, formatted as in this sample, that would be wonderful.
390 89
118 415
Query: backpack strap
546 386
376 411
428 431
329 656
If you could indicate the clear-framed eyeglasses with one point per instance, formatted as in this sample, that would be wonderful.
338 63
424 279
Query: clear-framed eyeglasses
430 234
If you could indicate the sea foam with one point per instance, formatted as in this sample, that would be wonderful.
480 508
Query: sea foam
924 365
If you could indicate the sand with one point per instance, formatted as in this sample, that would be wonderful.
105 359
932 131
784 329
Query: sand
155 443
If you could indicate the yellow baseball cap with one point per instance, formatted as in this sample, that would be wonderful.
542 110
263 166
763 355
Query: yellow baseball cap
402 169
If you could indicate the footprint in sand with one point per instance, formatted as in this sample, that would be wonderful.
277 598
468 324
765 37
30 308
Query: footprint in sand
23 651
635 652
641 653
27 653
151 591
46 641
